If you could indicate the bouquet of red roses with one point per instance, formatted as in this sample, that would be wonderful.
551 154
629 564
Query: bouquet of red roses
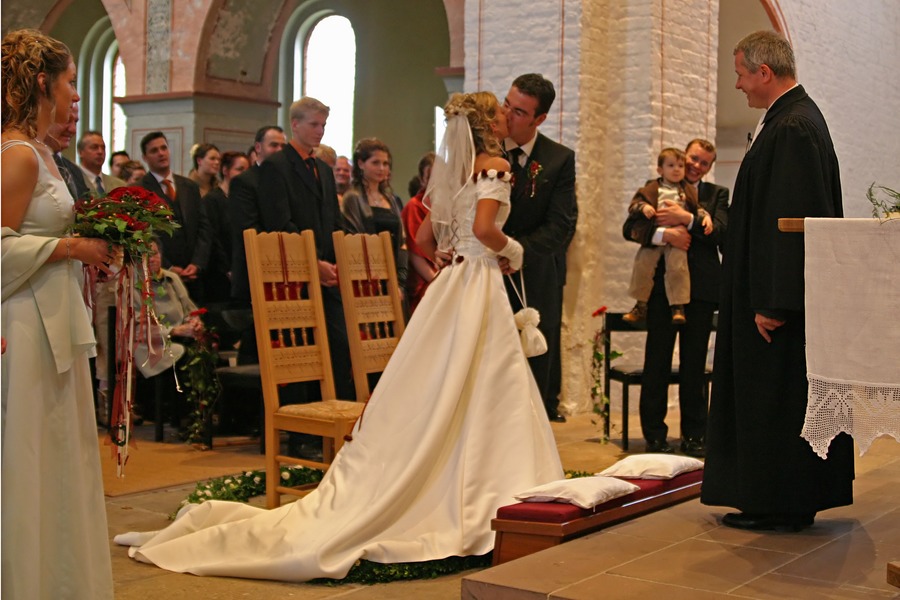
129 217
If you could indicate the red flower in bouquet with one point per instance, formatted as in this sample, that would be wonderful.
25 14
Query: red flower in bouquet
129 217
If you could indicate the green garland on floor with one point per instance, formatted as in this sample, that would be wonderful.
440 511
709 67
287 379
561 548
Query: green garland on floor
243 486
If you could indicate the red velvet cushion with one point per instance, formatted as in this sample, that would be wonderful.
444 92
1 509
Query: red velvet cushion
560 512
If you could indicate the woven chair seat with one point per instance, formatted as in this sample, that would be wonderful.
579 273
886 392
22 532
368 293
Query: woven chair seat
326 409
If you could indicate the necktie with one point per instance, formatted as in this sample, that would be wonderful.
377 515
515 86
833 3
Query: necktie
170 189
311 165
515 160
66 175
98 183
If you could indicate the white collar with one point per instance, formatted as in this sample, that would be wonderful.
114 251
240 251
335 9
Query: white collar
527 147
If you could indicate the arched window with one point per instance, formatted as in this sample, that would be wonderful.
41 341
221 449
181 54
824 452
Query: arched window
320 61
115 123
101 77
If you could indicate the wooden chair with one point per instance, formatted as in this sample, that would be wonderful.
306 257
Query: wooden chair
289 320
371 299
633 374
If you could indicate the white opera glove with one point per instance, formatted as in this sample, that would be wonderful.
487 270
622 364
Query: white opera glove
513 252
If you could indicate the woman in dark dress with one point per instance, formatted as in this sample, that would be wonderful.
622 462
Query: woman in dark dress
370 206
215 204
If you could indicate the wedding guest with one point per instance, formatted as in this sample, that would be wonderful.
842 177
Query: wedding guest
132 172
177 319
92 154
296 192
423 270
186 252
342 174
205 174
58 138
54 536
327 154
756 460
370 206
679 228
116 160
218 272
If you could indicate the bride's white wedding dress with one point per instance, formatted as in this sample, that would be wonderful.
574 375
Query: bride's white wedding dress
454 429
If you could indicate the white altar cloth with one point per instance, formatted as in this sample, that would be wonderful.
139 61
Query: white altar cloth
852 330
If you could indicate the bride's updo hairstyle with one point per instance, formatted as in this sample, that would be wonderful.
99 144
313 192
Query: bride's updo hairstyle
26 54
480 109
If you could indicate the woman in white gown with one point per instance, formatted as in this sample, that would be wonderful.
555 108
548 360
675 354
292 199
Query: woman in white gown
55 542
454 428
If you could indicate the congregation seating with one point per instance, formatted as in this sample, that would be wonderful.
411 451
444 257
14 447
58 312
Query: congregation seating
289 319
629 374
528 527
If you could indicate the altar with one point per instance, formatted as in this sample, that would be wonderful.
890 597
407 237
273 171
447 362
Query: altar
852 283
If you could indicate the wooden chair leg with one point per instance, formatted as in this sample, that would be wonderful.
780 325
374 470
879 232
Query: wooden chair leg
158 401
625 417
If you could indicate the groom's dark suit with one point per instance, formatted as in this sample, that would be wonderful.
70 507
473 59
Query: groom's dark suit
191 243
703 262
544 224
292 200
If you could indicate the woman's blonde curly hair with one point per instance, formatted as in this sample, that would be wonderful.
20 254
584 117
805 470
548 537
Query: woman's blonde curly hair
26 54
480 109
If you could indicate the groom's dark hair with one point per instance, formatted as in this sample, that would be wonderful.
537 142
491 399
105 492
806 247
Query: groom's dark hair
534 84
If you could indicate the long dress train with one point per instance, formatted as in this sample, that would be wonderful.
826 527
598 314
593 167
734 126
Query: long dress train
454 429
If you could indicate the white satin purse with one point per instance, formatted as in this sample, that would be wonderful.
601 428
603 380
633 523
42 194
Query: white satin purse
527 319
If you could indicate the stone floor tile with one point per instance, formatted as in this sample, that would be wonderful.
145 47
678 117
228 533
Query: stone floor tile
627 588
704 565
775 586
854 560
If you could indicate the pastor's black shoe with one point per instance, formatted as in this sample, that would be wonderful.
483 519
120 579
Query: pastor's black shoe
693 447
659 447
556 417
762 522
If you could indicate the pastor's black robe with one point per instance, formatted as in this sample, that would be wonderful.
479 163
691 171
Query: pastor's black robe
756 460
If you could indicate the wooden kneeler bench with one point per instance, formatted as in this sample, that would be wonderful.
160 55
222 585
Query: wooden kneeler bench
529 527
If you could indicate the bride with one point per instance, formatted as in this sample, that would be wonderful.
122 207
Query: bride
454 429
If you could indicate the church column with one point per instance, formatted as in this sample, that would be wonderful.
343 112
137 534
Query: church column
194 74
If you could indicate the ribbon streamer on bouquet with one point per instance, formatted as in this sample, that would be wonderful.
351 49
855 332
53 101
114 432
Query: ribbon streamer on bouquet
129 331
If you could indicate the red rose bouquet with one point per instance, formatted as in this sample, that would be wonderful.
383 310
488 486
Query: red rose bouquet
128 218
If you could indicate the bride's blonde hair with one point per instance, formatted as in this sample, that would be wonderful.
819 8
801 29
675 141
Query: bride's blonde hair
480 109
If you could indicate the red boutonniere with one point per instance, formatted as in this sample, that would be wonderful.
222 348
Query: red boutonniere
534 169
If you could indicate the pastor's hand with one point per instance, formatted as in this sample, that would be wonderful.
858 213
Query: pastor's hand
766 324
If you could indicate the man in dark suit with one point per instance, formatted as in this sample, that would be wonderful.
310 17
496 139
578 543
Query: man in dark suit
58 138
186 253
243 207
680 229
542 218
756 460
297 192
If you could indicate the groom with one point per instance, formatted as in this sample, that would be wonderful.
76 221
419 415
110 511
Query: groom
542 218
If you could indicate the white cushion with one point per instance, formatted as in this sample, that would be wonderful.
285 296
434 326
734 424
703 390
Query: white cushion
652 466
585 492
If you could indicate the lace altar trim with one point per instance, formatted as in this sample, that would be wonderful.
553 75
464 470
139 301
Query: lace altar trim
863 410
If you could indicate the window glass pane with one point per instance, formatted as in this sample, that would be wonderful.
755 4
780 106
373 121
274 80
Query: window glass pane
330 76
119 126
